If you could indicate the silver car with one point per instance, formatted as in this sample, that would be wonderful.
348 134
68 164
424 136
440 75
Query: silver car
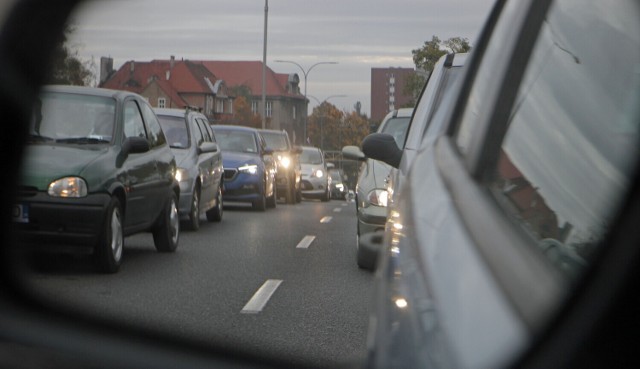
199 164
316 181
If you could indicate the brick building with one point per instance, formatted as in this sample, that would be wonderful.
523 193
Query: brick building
387 91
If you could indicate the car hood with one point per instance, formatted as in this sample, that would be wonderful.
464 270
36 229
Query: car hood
43 164
375 174
231 159
182 157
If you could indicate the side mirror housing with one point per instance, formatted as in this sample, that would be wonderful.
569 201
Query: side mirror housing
353 153
207 147
267 151
382 147
135 145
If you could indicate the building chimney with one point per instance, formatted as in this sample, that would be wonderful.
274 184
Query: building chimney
172 62
132 64
106 69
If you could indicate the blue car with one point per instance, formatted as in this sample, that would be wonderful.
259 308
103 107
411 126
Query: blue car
249 167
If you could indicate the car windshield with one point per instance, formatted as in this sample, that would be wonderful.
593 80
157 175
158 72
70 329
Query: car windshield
311 157
236 140
73 118
276 141
397 127
175 129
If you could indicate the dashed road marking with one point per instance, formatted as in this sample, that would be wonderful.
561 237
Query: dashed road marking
261 297
337 210
326 219
306 242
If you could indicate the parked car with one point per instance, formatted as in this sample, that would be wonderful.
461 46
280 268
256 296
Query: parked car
199 164
438 90
339 189
316 181
288 159
507 234
371 188
249 166
96 168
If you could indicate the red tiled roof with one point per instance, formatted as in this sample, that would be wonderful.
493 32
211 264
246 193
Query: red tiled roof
249 73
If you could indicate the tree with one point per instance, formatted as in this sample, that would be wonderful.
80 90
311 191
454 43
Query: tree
331 129
67 68
425 59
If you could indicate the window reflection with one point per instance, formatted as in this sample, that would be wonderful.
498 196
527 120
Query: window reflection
572 143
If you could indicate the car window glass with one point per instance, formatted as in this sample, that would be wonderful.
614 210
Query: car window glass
236 140
175 131
203 128
156 137
197 132
133 124
397 127
572 142
276 141
311 157
63 116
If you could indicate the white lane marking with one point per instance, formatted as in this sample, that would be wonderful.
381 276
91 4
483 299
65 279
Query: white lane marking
337 210
306 242
345 204
326 219
261 297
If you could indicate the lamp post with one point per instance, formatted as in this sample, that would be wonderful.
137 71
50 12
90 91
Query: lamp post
322 117
305 73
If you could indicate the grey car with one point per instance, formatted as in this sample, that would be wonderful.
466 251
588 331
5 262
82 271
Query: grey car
316 182
199 162
371 188
506 238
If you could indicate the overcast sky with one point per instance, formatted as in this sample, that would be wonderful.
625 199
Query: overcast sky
359 35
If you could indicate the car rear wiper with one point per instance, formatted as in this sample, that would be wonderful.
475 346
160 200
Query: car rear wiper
84 140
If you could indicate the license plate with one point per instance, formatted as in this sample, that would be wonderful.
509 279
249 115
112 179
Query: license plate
21 213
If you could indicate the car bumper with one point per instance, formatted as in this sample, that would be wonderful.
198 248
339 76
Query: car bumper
371 219
69 222
313 186
243 188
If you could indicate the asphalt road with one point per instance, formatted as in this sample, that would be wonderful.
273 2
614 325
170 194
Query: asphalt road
282 283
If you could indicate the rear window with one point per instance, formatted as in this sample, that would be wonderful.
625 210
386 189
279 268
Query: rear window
397 127
175 130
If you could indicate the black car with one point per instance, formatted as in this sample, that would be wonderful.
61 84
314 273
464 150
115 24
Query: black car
288 159
97 168
339 189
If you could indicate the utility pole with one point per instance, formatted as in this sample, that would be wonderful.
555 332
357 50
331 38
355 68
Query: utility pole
264 67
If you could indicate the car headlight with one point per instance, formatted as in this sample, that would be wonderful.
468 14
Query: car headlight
340 186
378 197
318 173
249 168
68 187
181 175
285 161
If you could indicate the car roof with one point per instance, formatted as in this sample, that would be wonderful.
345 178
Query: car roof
236 128
93 91
173 112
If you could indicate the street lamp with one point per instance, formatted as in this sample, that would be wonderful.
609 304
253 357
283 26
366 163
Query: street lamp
322 116
305 73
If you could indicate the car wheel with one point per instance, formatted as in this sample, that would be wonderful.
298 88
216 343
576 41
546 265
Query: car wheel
215 214
327 196
108 251
271 200
260 204
167 232
298 195
194 213
290 194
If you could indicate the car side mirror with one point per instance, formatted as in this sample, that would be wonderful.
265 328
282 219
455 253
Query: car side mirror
382 147
267 151
135 145
370 245
207 147
353 153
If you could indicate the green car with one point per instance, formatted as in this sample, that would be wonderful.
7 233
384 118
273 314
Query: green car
96 168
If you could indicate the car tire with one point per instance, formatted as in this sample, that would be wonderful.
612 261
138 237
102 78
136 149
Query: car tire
215 214
194 213
298 195
167 232
290 195
272 200
327 196
108 251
